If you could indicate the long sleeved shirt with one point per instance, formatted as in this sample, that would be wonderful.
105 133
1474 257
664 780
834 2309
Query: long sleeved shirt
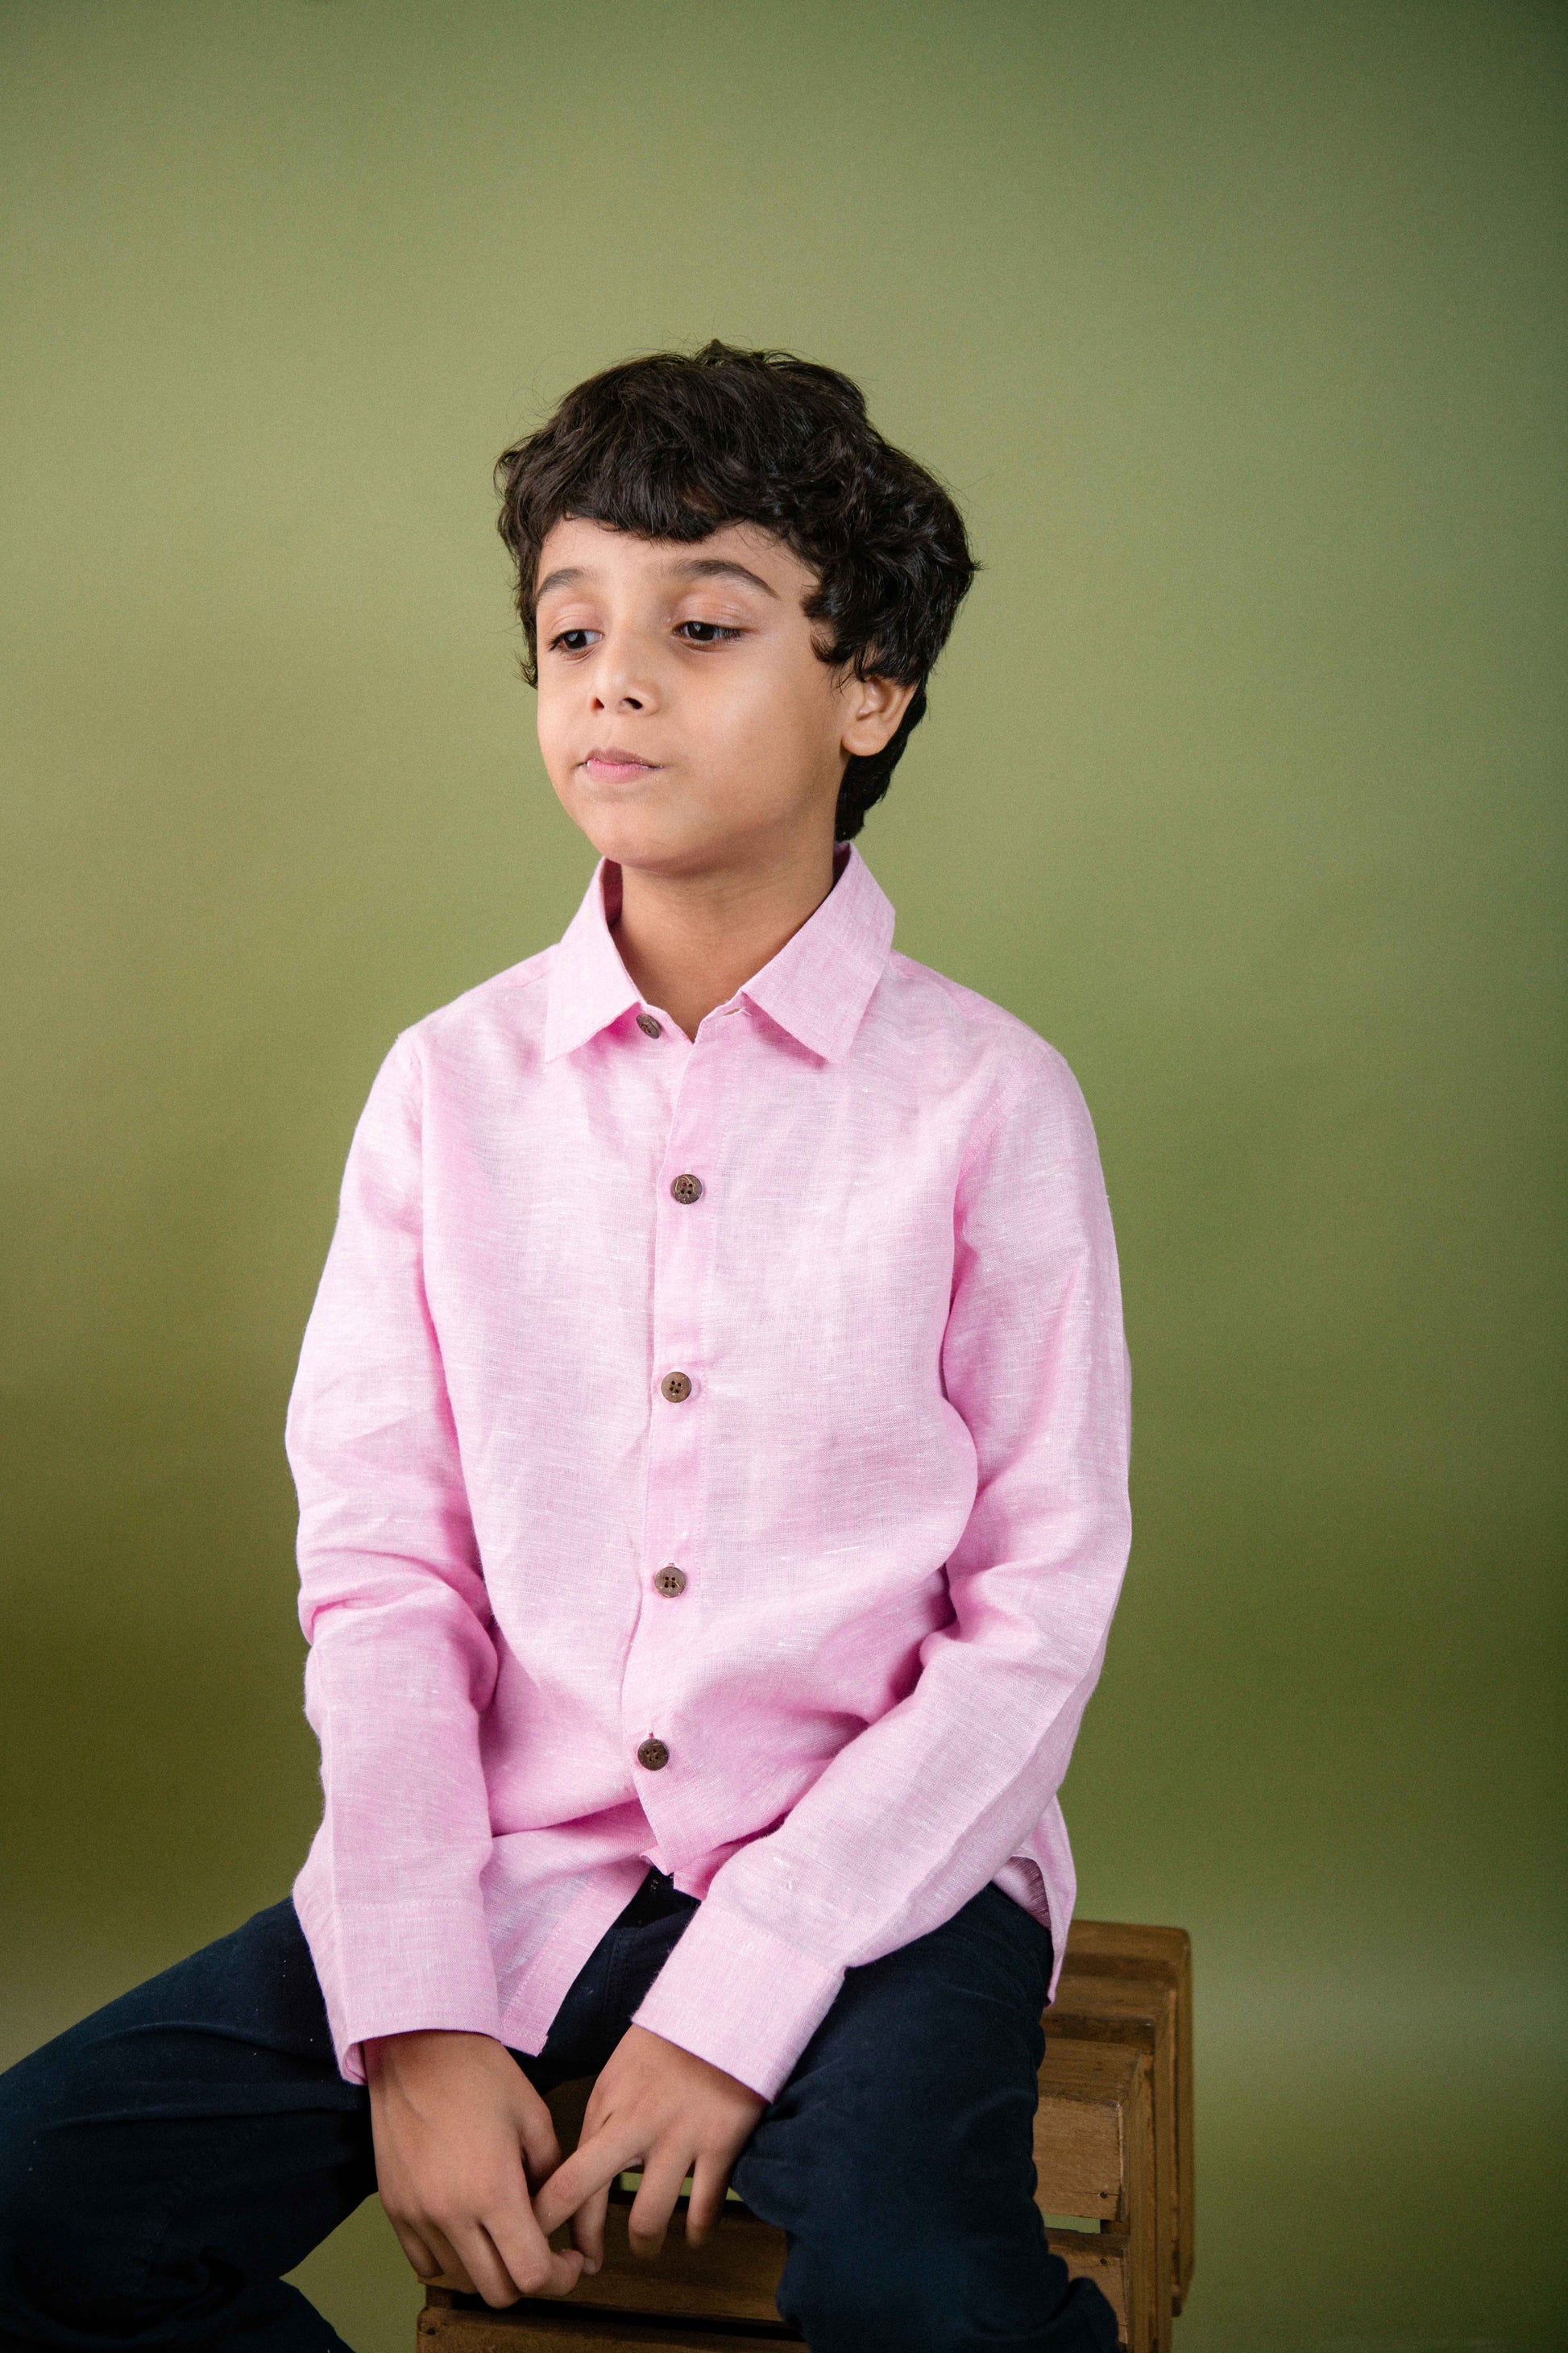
711 1453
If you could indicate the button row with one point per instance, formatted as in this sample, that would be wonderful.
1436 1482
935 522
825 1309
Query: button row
675 1388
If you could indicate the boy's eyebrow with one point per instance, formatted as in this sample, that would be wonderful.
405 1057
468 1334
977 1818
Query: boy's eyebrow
692 567
718 567
567 577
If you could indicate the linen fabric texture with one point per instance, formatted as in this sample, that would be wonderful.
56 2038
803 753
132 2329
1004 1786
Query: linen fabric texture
897 1489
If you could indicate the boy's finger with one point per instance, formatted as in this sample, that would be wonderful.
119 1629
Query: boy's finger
491 2276
541 2148
591 2168
424 2260
563 2194
532 2264
709 2183
449 2268
588 2230
655 2203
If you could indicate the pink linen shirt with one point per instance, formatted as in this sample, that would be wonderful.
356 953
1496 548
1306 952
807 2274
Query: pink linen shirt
893 1481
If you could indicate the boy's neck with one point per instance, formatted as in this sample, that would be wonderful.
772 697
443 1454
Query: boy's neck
690 941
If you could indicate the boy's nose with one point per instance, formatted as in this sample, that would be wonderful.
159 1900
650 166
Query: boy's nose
623 694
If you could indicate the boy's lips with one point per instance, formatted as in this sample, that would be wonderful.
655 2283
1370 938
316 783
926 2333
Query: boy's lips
612 765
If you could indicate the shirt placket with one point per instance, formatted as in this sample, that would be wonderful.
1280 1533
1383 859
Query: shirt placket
683 1406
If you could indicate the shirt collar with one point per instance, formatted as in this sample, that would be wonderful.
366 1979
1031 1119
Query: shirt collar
817 987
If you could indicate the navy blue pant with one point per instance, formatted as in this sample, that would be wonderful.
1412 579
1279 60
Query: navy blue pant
166 2161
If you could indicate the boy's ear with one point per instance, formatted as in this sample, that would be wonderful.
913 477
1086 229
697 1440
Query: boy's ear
872 710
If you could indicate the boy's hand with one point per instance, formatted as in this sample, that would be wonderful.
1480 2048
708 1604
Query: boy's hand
665 2109
456 2122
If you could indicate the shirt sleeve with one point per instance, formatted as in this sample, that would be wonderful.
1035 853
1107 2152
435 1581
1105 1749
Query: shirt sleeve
919 1810
393 1605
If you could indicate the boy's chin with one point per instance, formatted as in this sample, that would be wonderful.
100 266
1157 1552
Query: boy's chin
646 844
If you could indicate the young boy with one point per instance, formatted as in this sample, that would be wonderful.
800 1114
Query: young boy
711 1437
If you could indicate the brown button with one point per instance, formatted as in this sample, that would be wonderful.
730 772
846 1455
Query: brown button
653 1755
670 1580
687 1190
650 1027
676 1387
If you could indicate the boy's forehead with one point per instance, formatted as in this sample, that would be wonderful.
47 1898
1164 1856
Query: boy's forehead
579 553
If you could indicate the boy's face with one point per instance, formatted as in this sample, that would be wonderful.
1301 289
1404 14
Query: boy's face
686 720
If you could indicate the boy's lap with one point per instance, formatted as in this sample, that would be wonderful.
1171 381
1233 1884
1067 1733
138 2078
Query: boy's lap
926 2063
960 2006
920 2084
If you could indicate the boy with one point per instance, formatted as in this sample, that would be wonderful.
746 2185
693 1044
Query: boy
711 1437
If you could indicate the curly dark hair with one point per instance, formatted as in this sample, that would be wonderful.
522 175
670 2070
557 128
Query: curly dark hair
673 446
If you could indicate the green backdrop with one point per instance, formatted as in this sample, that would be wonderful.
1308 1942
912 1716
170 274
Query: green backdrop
1239 332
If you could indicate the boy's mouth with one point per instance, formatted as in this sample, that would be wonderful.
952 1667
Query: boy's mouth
609 764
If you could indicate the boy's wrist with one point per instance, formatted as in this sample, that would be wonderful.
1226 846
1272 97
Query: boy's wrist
418 2048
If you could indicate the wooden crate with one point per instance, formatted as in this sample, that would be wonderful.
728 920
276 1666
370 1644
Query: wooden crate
1112 2071
1094 2158
1122 1954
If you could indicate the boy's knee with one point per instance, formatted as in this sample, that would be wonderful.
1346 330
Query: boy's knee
63 2251
51 2256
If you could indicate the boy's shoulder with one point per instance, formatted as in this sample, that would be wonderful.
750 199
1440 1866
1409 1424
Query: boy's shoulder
512 1003
957 1024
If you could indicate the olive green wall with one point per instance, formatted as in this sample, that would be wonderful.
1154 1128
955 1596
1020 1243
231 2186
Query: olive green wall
1238 329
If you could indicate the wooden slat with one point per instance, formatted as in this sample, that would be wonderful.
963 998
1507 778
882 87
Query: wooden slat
1142 2013
1079 2153
1126 1949
733 2276
1102 2260
1094 2156
535 2328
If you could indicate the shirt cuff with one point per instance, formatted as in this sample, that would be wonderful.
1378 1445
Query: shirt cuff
399 1969
739 1998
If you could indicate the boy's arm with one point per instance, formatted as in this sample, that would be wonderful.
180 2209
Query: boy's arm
916 1814
393 1605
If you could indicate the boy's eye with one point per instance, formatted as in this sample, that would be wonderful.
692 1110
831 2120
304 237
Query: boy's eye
705 633
571 641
